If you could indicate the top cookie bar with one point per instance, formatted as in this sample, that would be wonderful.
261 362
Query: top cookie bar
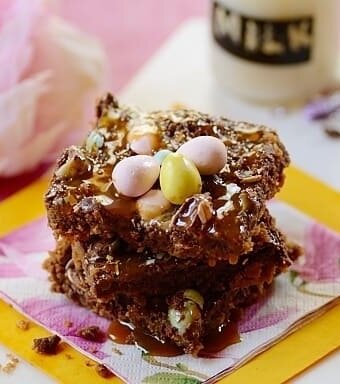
216 222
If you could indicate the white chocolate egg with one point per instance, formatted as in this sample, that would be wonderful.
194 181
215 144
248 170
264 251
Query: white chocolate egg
152 204
208 153
135 175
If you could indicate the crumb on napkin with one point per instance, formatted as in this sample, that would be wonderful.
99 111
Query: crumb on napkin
92 333
10 365
104 371
46 345
23 324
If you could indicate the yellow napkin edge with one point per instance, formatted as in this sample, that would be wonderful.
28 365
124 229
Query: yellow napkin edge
68 366
278 364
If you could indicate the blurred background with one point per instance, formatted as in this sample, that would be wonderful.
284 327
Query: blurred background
130 31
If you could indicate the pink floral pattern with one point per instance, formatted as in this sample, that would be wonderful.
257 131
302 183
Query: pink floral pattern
22 249
253 321
33 237
322 255
66 319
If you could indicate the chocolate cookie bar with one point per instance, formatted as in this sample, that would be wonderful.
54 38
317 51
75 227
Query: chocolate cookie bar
217 224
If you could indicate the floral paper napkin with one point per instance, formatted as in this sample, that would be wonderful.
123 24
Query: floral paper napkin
312 285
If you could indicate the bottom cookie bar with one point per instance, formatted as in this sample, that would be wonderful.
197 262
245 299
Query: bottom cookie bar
179 318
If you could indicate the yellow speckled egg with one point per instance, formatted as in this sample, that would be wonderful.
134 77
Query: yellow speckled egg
179 178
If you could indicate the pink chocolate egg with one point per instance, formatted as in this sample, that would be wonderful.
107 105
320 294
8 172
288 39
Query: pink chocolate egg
143 145
135 175
208 153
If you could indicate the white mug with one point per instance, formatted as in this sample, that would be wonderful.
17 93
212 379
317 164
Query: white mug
275 51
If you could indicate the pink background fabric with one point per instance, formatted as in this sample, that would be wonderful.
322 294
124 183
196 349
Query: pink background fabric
131 31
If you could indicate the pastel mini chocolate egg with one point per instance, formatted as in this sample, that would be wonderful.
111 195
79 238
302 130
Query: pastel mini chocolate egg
135 175
152 204
161 155
144 139
144 145
208 153
179 178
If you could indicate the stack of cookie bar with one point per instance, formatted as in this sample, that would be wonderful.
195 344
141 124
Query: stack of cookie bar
164 237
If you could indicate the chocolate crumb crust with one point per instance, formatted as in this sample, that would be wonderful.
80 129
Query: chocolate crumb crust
254 173
47 345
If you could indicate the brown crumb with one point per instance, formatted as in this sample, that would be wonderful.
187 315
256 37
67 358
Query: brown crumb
23 324
47 345
89 363
103 371
68 324
11 364
68 356
332 132
117 351
92 333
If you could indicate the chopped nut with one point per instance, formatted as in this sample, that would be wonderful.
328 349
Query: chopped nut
71 199
92 333
205 211
249 132
103 200
75 165
231 190
194 296
251 179
222 211
104 371
102 182
245 201
141 127
182 319
23 324
113 114
247 128
47 345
